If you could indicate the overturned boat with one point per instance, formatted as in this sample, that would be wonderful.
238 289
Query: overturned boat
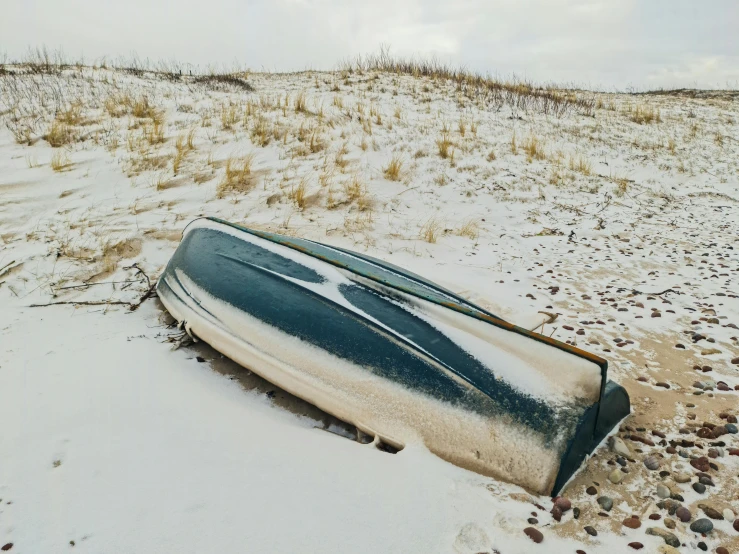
395 355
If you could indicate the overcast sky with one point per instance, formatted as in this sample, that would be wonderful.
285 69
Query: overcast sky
599 43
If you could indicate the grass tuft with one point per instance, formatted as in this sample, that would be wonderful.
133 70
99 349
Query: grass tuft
59 134
356 192
301 105
298 194
230 116
444 145
394 168
60 162
237 177
534 149
260 133
430 230
644 114
469 228
581 164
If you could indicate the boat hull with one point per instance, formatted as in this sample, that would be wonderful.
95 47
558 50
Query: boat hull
391 353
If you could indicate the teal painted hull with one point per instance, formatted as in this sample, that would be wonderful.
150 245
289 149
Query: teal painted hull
393 353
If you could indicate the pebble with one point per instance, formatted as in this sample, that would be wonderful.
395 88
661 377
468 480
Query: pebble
670 523
731 428
702 526
668 537
682 478
632 523
721 550
667 549
556 513
7 546
532 521
711 512
729 515
616 476
663 491
636 545
606 503
719 431
705 433
706 480
701 464
563 503
651 462
670 505
643 440
702 546
736 525
534 534
619 447
591 531
683 514
655 517
591 490
700 488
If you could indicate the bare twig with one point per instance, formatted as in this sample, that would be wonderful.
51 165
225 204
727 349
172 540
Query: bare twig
6 267
140 271
94 284
132 306
634 291
135 306
83 303
406 190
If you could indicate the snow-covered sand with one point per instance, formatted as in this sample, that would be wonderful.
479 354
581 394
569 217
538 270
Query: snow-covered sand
113 441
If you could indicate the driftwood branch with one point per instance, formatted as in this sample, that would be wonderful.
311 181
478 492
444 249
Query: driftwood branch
132 306
83 303
95 284
634 291
148 294
140 271
6 268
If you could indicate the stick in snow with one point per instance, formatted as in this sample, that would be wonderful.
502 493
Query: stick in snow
83 303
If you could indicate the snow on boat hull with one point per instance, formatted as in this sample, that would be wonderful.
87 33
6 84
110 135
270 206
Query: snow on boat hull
399 357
